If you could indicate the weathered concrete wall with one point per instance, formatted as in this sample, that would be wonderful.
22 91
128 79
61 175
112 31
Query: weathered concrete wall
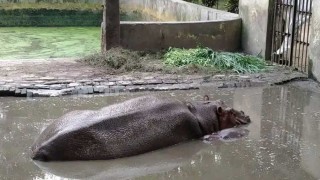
185 25
217 35
314 49
176 10
255 38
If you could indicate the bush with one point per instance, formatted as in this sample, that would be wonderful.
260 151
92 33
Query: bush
229 5
49 14
205 57
209 3
232 6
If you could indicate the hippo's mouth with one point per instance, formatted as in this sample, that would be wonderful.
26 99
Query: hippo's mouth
243 121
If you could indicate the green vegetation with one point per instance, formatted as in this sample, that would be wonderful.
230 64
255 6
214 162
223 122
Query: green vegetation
118 60
228 5
199 60
232 6
49 18
205 57
50 14
60 6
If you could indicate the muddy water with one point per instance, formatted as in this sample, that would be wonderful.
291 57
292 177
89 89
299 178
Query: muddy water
48 42
283 142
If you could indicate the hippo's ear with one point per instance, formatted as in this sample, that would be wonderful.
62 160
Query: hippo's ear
219 110
206 98
190 106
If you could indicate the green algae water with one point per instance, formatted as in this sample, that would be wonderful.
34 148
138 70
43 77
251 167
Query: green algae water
48 42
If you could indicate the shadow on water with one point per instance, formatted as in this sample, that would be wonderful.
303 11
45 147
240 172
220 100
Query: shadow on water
283 142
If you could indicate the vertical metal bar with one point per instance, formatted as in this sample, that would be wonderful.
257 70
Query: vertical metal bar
279 27
308 35
282 5
274 29
270 27
293 27
303 40
281 30
275 57
288 34
298 42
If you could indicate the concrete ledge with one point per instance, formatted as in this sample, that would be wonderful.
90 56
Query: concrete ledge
182 25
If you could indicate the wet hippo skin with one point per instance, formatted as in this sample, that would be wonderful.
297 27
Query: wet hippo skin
132 127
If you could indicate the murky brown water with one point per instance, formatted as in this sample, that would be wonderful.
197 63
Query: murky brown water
283 143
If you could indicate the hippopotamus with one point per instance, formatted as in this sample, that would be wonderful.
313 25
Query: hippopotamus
132 127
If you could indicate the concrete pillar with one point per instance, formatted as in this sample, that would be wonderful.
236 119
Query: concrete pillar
314 48
256 33
111 25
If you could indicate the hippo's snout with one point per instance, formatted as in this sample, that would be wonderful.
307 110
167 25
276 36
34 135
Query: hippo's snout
248 120
40 155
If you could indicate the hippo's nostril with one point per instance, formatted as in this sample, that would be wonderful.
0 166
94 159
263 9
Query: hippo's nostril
40 156
248 119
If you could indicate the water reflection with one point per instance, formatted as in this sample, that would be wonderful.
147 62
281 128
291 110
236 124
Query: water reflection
283 142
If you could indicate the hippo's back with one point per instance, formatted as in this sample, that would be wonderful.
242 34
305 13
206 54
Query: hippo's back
133 127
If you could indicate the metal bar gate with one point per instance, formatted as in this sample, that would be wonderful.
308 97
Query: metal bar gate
290 38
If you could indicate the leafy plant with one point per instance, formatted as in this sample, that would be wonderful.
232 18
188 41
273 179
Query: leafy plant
228 5
45 5
232 6
210 3
206 57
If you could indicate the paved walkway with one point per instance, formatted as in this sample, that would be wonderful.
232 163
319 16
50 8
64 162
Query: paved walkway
34 78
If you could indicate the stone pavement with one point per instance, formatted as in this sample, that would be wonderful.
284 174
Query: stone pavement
57 77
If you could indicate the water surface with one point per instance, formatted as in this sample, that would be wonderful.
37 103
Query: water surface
283 142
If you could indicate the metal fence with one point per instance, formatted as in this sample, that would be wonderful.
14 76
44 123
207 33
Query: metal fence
291 33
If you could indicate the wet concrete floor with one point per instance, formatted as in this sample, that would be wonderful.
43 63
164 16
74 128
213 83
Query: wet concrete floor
283 142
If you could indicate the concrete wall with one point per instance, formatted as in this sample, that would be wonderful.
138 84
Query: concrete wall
255 37
156 36
186 25
314 49
176 10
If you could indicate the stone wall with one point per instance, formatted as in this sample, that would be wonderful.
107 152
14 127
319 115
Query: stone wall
255 29
314 53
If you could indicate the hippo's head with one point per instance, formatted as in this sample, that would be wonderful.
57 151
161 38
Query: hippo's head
229 117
